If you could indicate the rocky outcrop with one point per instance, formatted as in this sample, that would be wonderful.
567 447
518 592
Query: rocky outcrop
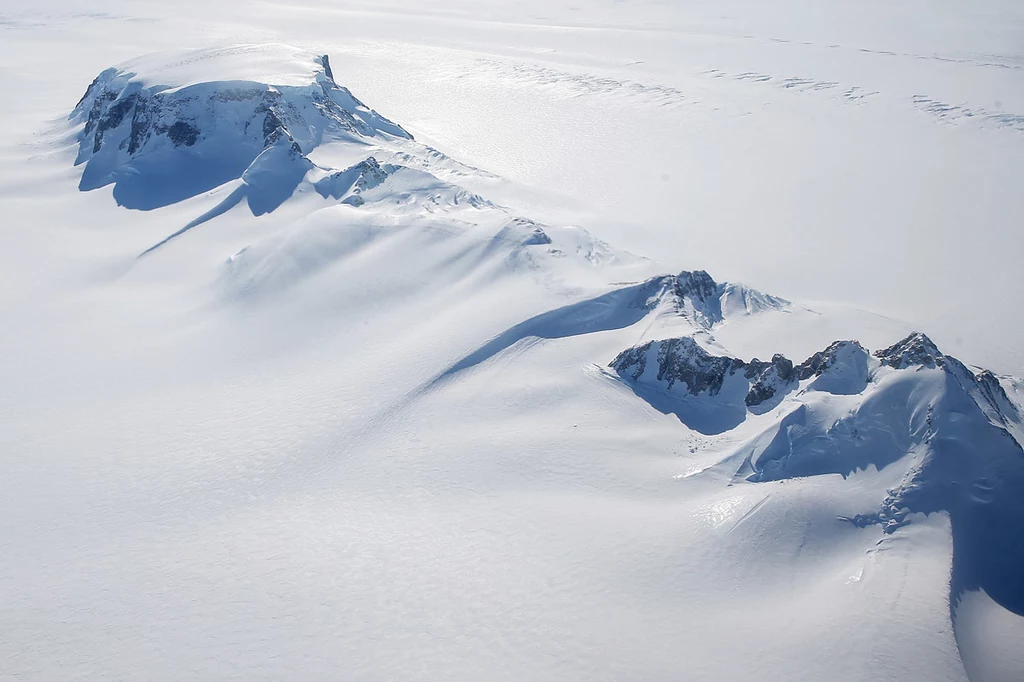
147 125
992 390
697 296
769 379
698 287
915 350
683 361
680 361
347 185
121 112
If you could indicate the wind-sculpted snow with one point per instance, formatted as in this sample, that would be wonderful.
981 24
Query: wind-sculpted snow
693 295
166 127
615 310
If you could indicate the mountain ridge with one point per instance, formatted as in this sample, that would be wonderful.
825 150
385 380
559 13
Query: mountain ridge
843 410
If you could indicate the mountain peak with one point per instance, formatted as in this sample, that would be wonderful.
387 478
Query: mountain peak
696 285
325 61
915 349
707 302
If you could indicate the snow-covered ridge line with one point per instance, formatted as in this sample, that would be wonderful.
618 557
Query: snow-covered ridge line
169 126
682 366
684 362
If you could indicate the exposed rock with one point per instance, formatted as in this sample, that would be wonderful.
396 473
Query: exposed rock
696 285
678 360
207 133
842 368
989 386
708 302
348 184
915 350
182 133
326 61
818 363
769 377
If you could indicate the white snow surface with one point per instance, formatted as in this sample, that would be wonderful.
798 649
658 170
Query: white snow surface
273 64
345 411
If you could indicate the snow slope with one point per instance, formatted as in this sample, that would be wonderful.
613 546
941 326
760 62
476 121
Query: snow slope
353 417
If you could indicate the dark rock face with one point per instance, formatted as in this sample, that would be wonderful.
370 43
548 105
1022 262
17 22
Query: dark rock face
682 359
326 62
784 365
354 180
916 349
989 386
115 114
273 126
696 285
632 361
369 175
220 127
97 110
182 133
770 378
679 360
818 363
706 302
142 123
370 169
108 119
89 90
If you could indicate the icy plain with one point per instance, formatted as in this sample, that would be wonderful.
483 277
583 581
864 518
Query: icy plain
364 420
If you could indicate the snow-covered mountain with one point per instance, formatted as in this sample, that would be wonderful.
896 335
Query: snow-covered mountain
160 134
362 406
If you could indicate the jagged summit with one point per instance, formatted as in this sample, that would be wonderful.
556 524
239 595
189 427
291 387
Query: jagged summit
915 349
697 286
677 361
706 302
681 366
347 185
171 125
